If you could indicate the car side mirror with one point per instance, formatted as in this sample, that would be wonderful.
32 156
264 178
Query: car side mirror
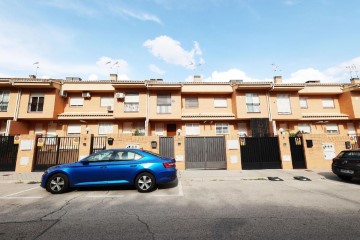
85 161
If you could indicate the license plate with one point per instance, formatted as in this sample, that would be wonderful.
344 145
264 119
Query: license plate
346 171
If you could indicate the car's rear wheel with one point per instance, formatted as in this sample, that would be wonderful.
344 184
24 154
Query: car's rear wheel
58 183
345 178
145 182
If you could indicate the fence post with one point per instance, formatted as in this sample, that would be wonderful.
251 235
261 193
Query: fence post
26 151
84 145
285 151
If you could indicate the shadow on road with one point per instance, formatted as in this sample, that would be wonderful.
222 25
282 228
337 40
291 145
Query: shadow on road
333 177
125 187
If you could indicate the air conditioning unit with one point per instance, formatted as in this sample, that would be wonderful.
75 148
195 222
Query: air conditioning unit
119 95
63 93
86 94
110 108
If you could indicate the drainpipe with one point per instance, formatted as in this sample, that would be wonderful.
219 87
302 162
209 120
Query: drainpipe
269 110
147 110
16 114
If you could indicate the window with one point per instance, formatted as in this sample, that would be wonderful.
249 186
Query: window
192 102
303 102
328 103
192 129
4 100
131 102
107 102
76 101
222 128
304 127
159 129
126 156
332 128
105 128
283 104
252 102
100 156
220 102
163 103
127 127
242 129
36 103
74 128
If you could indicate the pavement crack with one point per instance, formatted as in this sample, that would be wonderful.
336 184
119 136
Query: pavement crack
47 229
59 209
144 223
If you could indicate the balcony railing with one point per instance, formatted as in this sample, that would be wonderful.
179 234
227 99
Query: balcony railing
131 107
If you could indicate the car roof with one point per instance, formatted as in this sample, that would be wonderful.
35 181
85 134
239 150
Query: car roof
351 150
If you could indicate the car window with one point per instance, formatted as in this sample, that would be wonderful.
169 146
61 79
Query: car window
126 155
100 156
355 155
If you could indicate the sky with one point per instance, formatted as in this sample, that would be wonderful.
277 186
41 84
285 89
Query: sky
221 40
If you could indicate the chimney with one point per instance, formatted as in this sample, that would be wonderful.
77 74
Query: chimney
197 78
355 81
32 76
113 77
277 79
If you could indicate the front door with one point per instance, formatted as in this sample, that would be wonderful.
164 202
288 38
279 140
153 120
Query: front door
171 130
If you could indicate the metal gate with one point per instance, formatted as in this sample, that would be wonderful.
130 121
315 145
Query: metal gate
297 152
167 147
97 144
8 153
260 153
205 153
51 151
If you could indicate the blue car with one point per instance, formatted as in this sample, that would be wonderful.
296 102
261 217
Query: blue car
111 167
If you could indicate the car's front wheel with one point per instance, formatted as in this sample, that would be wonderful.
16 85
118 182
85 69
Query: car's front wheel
345 178
58 183
145 182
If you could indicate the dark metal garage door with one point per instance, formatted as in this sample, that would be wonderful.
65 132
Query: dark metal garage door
205 153
260 153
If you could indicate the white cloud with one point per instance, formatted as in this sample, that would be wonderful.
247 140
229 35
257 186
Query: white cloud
338 73
231 74
156 69
170 50
137 15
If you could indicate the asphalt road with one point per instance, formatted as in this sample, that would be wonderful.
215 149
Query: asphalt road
215 207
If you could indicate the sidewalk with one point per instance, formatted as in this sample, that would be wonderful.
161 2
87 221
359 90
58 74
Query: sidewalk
197 175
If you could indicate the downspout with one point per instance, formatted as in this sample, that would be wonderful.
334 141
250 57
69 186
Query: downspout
269 110
147 110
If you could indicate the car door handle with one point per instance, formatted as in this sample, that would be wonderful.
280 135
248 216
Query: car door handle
103 167
133 165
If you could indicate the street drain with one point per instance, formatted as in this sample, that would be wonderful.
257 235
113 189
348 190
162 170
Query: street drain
275 179
302 178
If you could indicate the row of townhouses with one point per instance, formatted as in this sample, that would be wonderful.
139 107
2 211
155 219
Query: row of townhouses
156 108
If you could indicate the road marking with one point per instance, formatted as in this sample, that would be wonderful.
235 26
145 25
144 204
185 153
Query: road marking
20 197
20 192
